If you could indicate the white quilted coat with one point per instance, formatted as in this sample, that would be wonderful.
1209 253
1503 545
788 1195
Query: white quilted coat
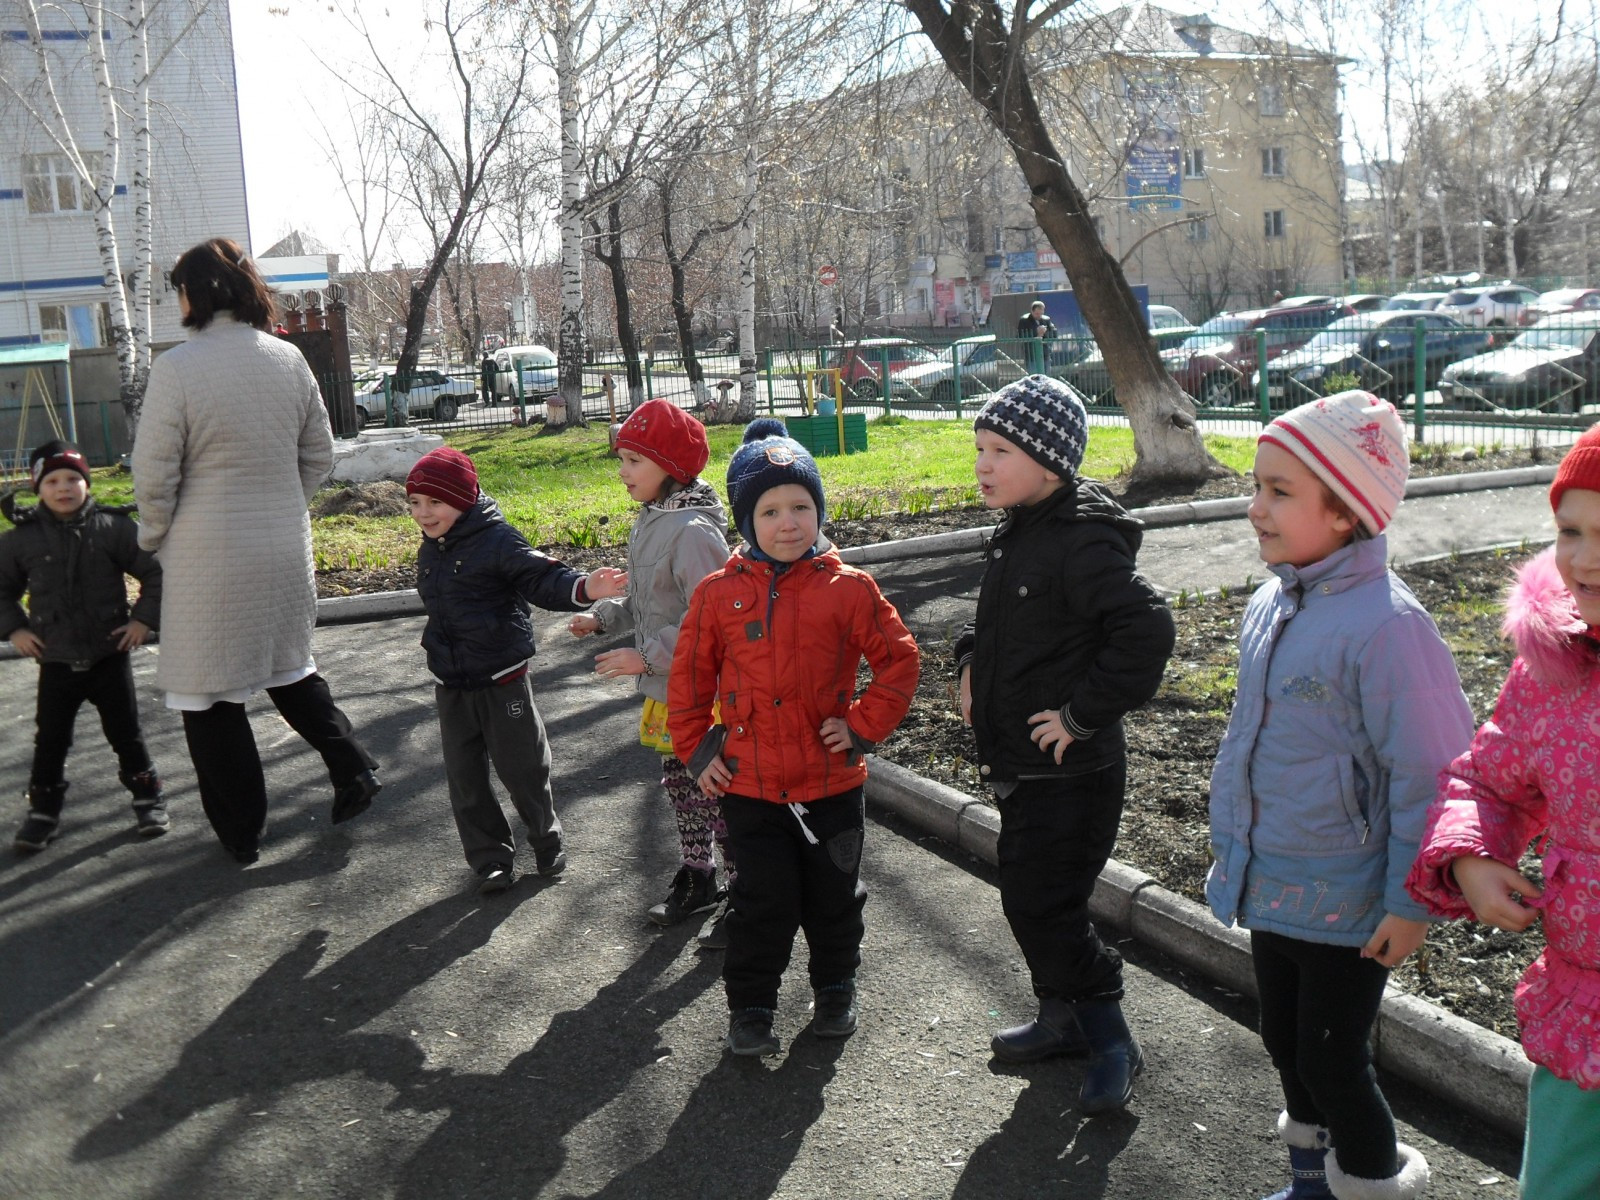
232 443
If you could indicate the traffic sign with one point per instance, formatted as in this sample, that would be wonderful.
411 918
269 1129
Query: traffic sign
828 276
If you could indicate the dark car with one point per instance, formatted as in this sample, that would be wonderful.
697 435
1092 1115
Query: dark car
1215 362
1377 349
1554 366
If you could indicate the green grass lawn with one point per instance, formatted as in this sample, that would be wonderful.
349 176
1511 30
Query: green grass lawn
562 488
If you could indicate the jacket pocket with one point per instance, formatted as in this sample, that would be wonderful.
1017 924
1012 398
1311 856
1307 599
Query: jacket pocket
1353 788
1032 613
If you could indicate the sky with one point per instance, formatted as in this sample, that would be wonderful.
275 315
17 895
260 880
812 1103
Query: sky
287 90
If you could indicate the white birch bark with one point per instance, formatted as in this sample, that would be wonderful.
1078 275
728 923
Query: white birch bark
753 106
570 338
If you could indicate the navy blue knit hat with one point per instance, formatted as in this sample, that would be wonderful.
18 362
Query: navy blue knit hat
769 458
1042 417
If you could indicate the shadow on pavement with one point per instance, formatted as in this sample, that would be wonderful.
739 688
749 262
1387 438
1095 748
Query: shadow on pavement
296 1024
1045 1149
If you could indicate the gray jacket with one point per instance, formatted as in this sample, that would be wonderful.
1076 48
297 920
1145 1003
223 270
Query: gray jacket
1348 707
670 550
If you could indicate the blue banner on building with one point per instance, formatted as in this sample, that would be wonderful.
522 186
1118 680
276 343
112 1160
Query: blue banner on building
1154 178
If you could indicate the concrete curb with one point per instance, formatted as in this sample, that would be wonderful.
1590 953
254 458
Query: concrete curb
1482 1072
1197 512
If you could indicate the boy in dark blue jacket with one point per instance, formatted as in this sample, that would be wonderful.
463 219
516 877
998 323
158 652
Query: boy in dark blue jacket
477 576
1068 637
70 556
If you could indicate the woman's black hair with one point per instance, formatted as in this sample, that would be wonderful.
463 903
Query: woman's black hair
217 275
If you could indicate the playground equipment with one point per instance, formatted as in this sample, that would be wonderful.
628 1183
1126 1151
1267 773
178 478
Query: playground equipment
826 428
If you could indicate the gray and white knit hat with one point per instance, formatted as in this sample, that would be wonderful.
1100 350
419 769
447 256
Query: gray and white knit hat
1042 417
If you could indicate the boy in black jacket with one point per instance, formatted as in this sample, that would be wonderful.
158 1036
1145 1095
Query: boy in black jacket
476 576
70 555
1068 637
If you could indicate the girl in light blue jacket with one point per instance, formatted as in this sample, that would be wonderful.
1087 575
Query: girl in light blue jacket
1348 706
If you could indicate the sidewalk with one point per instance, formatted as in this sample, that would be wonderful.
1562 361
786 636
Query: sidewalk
347 1017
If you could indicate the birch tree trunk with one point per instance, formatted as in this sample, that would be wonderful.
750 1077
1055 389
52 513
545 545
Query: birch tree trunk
105 189
750 96
570 339
140 187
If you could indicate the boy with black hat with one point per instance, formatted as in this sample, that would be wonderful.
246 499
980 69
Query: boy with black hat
775 638
1067 638
70 555
477 576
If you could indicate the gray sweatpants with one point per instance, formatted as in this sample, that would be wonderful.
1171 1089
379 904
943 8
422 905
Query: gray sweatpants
499 725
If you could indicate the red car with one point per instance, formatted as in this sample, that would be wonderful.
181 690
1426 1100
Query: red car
1562 300
1215 362
860 362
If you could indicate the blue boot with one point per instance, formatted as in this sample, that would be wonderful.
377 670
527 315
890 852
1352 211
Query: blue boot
1308 1154
1114 1057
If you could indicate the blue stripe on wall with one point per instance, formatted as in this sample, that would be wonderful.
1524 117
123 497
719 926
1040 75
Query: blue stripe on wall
54 35
21 340
41 284
121 189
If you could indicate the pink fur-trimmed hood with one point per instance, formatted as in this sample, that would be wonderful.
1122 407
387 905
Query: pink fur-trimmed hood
1543 624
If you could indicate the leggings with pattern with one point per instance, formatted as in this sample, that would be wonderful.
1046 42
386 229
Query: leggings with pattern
699 817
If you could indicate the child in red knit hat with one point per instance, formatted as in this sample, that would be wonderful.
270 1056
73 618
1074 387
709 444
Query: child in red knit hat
477 576
678 538
1531 774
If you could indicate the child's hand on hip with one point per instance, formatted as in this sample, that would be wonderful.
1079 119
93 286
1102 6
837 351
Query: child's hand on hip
605 583
836 735
1048 731
1496 893
27 642
615 664
132 634
964 695
583 624
714 780
1394 940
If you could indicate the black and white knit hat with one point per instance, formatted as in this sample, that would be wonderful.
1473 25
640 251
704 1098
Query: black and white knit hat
769 458
1043 418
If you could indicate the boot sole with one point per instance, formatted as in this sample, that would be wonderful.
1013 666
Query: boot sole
765 1050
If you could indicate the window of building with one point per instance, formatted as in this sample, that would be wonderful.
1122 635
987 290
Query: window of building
52 186
999 239
919 300
83 326
1198 230
1272 161
922 243
1194 163
1272 223
1270 99
1194 97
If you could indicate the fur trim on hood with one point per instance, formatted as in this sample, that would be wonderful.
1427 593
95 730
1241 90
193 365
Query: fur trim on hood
1543 624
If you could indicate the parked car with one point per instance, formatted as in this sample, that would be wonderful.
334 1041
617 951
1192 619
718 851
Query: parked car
1555 365
1378 349
860 362
431 396
1495 306
984 364
1414 301
1302 301
536 365
1214 363
1168 329
1365 301
1562 300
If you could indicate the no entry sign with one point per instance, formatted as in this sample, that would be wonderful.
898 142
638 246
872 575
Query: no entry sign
828 276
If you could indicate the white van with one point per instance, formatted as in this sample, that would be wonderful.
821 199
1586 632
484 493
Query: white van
537 365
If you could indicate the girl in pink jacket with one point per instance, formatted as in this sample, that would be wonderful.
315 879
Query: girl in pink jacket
1534 770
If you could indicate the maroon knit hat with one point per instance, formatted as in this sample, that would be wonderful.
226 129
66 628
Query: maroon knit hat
1580 468
56 455
668 437
446 475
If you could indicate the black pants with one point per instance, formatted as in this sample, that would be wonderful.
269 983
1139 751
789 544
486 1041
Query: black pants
108 685
788 882
1318 1005
500 727
227 765
1055 838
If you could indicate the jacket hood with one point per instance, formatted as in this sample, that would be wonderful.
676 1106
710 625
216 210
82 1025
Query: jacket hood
1083 500
1543 624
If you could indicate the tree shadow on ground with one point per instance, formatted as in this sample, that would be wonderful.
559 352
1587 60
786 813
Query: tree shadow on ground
504 1134
295 1024
1046 1148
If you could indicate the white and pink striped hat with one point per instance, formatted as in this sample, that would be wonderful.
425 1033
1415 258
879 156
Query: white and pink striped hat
1353 442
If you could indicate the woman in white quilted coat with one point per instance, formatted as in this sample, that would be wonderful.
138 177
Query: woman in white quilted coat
232 443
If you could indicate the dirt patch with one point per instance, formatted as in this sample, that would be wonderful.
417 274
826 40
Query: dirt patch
1467 968
385 498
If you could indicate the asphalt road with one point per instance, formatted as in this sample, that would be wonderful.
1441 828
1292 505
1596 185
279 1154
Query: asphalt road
347 1016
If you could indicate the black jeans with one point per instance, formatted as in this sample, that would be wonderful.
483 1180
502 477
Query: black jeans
787 882
1055 838
108 685
227 766
1318 1005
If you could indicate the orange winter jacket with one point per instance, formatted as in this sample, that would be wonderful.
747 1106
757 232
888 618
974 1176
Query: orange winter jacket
779 651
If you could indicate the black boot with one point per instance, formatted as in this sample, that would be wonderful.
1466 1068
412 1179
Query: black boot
750 1033
355 797
1114 1057
149 809
836 1010
1054 1031
44 815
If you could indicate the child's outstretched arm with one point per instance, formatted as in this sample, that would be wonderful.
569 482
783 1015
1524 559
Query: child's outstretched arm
1487 809
549 583
13 583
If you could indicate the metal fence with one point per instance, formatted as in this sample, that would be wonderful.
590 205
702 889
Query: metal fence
1457 387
